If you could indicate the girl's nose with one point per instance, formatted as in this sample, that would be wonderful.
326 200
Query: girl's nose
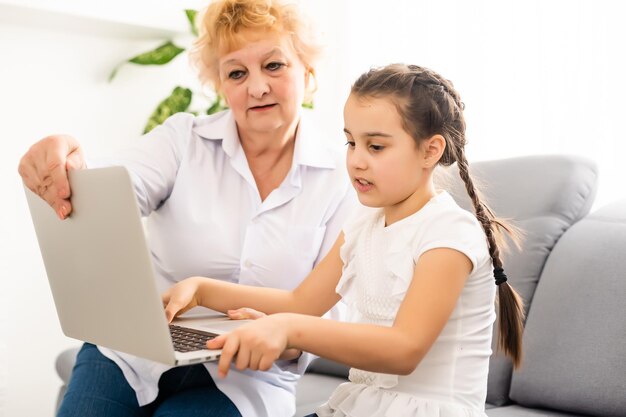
356 158
258 85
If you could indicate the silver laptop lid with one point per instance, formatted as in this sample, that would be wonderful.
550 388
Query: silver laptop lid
99 267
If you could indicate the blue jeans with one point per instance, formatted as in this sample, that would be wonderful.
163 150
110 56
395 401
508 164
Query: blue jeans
98 388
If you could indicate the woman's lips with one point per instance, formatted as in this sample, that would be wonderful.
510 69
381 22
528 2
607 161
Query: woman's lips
263 108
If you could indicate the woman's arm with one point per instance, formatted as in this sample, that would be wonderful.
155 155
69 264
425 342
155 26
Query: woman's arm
438 280
314 296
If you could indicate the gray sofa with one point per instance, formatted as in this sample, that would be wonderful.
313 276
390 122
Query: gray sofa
569 270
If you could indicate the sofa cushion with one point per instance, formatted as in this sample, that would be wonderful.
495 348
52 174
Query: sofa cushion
517 411
65 363
313 390
575 337
327 367
544 196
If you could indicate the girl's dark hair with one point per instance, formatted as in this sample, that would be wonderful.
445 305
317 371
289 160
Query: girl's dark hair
429 105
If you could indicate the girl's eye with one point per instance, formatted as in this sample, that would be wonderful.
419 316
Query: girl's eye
350 143
235 75
274 66
377 148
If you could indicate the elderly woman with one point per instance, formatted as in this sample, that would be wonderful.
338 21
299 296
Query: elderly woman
251 195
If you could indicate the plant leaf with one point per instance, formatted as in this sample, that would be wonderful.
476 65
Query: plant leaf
217 106
177 102
159 56
191 16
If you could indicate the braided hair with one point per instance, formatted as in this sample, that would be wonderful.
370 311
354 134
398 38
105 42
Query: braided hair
428 105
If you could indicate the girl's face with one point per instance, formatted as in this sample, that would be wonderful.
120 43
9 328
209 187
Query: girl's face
263 83
386 166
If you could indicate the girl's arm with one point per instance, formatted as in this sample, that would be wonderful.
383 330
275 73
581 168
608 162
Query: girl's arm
438 280
314 296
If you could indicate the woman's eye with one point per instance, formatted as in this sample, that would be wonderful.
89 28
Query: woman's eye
350 143
377 148
274 66
235 75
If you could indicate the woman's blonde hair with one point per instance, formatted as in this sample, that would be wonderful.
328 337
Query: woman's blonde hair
224 25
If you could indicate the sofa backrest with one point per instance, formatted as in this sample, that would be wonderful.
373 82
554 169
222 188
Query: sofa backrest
575 337
544 196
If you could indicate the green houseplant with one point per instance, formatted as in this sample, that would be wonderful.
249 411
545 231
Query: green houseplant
180 98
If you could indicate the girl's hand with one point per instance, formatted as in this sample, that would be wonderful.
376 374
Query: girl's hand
181 297
254 345
246 313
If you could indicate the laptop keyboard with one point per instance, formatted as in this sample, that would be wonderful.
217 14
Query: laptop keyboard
188 340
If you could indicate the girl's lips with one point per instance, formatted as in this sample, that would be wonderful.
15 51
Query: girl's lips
362 188
263 108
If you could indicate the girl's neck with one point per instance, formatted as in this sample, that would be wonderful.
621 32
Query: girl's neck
411 205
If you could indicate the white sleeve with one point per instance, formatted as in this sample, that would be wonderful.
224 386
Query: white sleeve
153 160
458 231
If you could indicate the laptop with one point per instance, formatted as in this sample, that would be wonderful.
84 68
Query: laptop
101 275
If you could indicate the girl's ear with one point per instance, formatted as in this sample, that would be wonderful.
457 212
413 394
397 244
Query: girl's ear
433 149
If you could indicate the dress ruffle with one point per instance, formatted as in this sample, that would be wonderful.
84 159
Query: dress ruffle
374 379
399 260
360 400
347 253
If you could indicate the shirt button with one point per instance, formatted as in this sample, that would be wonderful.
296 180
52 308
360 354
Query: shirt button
247 264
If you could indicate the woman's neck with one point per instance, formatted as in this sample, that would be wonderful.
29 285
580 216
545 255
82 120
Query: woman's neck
274 142
269 156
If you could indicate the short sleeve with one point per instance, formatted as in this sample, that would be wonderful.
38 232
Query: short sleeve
454 229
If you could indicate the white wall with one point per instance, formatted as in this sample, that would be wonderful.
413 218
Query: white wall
537 77
54 79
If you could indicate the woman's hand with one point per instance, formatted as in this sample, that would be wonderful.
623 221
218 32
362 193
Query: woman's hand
44 170
245 313
254 345
181 297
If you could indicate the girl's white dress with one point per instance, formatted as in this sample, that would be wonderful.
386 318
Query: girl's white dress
451 380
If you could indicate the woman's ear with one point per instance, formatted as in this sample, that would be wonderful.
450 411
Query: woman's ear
433 148
310 85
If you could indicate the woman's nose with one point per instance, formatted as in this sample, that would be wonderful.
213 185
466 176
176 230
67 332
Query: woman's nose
258 85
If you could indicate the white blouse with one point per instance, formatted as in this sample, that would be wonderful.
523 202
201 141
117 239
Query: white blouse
206 218
451 380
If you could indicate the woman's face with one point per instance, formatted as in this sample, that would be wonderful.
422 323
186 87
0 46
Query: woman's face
263 83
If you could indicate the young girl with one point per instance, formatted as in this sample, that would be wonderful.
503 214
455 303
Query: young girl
417 272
